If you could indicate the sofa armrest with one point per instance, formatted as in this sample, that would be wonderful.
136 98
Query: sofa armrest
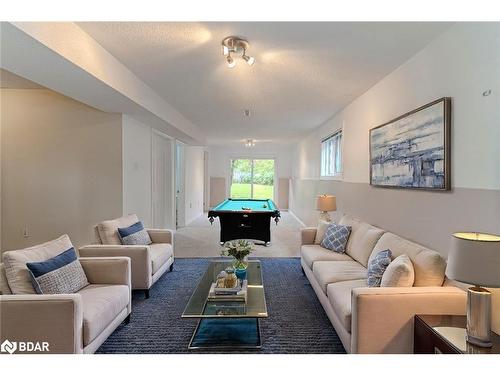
110 270
161 235
307 236
56 319
382 318
140 260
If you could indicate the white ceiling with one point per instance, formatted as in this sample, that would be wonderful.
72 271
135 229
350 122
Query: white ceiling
305 72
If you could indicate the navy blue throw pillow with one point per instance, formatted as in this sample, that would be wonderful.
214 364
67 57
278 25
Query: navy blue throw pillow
134 235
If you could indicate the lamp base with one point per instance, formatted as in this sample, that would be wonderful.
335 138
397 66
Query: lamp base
324 216
479 317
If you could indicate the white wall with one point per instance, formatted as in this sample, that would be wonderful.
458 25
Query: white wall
221 155
462 63
137 169
61 168
220 160
194 182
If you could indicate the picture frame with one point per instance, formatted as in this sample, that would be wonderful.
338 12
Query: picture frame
412 151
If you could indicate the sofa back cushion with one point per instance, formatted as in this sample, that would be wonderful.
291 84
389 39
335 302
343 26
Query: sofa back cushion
362 239
17 273
108 229
428 264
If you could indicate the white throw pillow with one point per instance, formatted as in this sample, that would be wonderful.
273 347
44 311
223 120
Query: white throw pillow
399 273
320 232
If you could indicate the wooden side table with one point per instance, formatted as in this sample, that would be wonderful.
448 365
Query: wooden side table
445 334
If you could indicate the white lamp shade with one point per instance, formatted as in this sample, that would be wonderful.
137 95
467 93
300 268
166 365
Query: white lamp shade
326 203
474 258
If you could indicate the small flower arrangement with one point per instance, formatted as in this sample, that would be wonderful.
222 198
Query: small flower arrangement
239 250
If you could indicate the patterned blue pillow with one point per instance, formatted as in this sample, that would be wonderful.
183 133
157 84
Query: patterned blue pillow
134 235
377 267
336 237
58 275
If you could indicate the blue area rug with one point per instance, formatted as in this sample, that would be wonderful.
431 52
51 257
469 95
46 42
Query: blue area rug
296 324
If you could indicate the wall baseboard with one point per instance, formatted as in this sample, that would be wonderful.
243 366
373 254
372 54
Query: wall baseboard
296 218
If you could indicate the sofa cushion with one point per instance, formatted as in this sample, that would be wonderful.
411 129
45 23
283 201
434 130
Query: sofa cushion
61 274
327 272
160 253
377 266
313 253
362 239
429 266
339 295
320 231
108 229
101 305
399 273
17 273
134 234
336 237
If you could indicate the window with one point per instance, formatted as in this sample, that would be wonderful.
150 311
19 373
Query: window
331 155
252 178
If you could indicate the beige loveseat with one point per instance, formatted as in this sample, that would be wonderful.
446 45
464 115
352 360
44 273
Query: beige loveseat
69 323
149 262
379 319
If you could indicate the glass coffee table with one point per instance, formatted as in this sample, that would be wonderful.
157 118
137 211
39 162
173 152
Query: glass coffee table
227 324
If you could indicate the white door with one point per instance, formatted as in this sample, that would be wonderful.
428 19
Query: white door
163 181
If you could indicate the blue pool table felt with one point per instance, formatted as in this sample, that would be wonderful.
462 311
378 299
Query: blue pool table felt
252 204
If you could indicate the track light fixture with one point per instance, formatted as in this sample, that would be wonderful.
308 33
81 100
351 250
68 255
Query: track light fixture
233 44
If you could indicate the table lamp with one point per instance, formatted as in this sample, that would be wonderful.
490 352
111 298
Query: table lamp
474 258
325 203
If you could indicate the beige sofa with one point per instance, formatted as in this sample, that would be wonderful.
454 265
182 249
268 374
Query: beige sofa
376 320
69 323
149 263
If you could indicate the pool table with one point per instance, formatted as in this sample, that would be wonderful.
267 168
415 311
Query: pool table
245 219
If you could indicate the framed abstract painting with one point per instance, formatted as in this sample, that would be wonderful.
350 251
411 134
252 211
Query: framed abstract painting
413 150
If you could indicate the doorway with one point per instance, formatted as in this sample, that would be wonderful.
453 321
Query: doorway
252 179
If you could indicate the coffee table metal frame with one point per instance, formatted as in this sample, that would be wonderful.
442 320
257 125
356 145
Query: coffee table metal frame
201 308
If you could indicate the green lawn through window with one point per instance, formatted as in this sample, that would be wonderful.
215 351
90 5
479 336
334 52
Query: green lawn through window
259 191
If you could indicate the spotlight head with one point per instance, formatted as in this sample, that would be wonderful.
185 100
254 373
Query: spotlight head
249 59
230 61
225 50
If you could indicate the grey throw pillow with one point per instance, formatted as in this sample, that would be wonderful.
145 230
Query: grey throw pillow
377 267
134 235
58 275
336 237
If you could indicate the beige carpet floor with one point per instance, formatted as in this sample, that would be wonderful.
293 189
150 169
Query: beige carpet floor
200 239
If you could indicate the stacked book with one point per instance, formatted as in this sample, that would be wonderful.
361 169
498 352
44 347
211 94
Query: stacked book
239 293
